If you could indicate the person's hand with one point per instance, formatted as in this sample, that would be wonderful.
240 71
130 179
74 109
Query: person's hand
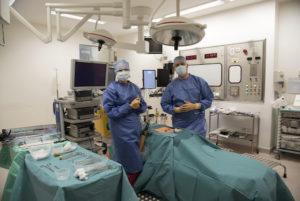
135 104
188 106
177 110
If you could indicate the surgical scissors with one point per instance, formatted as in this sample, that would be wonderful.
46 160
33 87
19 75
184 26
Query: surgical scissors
48 167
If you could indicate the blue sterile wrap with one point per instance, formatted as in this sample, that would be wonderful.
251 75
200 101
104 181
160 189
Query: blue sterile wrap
35 183
186 167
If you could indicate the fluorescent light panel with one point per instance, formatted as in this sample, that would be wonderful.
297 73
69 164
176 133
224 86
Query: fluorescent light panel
197 8
78 18
157 20
183 12
11 2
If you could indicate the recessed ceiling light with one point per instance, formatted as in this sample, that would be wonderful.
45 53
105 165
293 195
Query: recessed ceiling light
11 2
198 8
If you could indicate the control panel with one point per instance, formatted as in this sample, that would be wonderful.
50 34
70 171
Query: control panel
235 72
246 72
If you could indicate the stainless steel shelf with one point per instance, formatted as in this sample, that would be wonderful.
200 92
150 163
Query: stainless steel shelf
251 138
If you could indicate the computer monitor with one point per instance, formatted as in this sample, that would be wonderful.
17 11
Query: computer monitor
88 74
163 77
149 79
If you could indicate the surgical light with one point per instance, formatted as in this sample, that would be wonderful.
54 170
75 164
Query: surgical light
177 31
101 37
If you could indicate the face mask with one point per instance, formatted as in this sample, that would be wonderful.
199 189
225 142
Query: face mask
181 70
123 76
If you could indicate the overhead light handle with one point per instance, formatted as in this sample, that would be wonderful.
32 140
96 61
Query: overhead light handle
176 40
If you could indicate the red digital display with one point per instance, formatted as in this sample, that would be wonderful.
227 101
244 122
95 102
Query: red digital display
191 57
210 55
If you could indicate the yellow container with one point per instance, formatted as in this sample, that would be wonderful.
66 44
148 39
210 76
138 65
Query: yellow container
101 125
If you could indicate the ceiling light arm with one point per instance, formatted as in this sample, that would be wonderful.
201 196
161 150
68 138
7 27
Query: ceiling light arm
45 38
98 19
96 11
177 8
85 5
154 12
141 42
139 47
61 8
138 23
127 46
126 14
93 12
63 37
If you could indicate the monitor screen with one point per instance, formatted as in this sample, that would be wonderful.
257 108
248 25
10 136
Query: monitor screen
149 79
88 74
163 77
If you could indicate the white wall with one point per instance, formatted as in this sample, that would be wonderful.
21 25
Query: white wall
253 22
288 42
27 75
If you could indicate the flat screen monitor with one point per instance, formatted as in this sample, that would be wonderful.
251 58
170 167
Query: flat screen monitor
149 79
163 77
88 74
111 75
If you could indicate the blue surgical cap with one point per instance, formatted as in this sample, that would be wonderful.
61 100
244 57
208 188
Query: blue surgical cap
121 64
179 59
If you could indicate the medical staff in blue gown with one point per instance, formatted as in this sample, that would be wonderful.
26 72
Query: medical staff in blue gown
123 104
186 98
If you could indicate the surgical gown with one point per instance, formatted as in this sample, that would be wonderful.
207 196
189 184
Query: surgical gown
195 90
125 124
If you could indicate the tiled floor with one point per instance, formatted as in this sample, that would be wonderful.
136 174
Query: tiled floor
143 196
291 161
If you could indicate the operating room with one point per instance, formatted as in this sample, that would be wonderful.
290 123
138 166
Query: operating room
130 137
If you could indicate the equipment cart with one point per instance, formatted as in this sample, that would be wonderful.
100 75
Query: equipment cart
287 132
